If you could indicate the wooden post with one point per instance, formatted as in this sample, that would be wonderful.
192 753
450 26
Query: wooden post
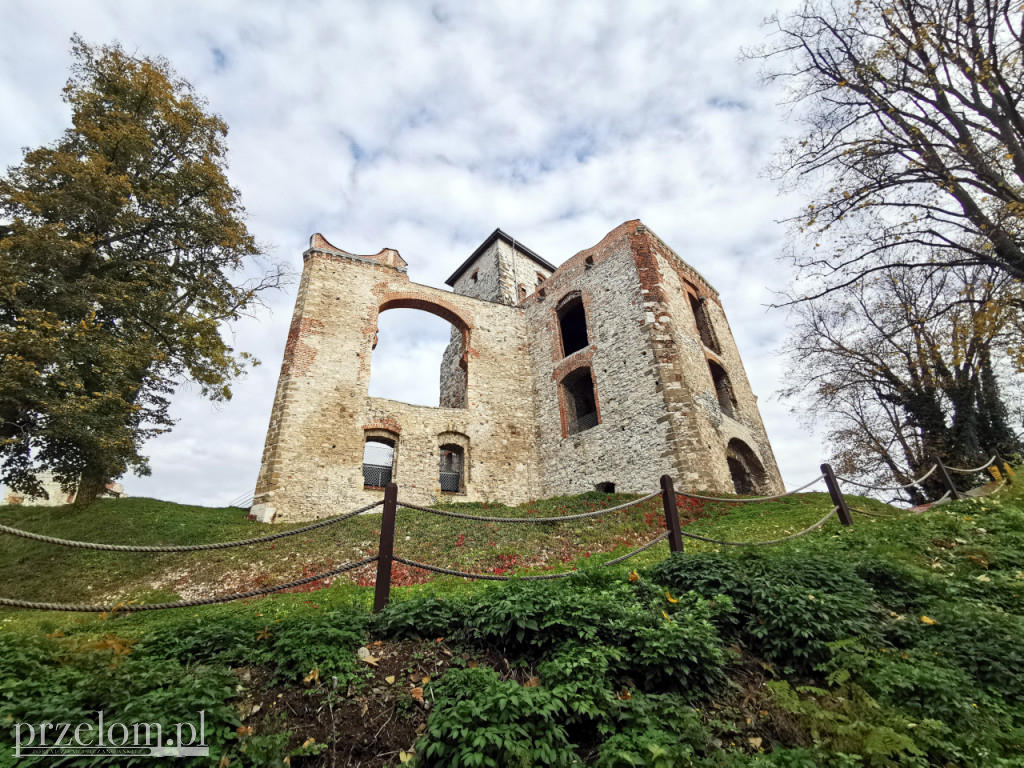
382 592
837 496
947 481
668 501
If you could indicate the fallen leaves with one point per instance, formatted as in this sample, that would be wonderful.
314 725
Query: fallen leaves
364 655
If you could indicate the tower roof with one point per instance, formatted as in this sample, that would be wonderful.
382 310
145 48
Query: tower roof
498 234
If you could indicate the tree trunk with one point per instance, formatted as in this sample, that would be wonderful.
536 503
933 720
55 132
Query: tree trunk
93 483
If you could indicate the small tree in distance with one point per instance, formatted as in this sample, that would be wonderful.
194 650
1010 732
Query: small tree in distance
122 250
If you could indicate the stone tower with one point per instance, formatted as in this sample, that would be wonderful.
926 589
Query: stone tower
605 373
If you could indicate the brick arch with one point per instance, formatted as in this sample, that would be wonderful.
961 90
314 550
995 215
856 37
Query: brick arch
440 308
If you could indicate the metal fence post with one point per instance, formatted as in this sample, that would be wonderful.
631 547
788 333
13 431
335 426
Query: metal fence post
668 501
947 481
382 591
837 496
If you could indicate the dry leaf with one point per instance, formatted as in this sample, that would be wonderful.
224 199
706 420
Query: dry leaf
533 682
755 742
415 677
244 730
426 679
288 760
420 729
371 660
472 664
417 693
224 762
308 741
312 677
389 679
404 757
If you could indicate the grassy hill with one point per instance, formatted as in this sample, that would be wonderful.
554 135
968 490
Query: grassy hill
896 642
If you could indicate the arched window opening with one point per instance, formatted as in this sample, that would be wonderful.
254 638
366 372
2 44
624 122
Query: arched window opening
452 475
723 389
700 315
748 476
418 360
572 321
378 462
522 292
580 401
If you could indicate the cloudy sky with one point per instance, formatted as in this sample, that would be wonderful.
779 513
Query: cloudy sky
423 126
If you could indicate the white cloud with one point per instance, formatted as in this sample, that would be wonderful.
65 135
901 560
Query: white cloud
422 127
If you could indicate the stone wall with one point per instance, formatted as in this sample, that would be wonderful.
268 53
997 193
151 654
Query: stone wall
627 447
505 400
702 431
322 412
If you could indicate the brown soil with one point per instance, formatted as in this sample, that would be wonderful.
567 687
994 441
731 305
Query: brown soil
368 727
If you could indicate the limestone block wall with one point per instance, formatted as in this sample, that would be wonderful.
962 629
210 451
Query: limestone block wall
628 446
484 279
312 464
506 380
704 430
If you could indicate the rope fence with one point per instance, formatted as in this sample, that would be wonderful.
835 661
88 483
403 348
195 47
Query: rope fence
386 557
129 608
986 465
183 547
797 535
557 519
756 499
911 484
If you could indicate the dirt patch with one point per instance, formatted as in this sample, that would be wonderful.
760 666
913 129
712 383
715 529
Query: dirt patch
368 725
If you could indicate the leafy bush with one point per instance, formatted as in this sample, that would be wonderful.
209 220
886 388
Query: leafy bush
68 680
670 644
653 730
787 607
479 720
294 645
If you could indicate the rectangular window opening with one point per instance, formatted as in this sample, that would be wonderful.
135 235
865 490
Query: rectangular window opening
378 462
451 473
580 401
572 321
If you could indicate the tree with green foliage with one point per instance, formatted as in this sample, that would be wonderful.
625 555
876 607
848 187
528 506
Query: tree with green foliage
123 252
912 148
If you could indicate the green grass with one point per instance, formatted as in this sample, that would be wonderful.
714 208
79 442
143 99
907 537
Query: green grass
38 571
892 643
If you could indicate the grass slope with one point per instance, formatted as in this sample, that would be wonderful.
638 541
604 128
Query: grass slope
896 642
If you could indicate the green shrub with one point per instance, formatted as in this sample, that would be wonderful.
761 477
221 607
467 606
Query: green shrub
68 680
670 645
480 720
297 643
653 730
786 607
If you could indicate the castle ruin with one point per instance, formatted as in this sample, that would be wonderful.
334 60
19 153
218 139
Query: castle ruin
602 374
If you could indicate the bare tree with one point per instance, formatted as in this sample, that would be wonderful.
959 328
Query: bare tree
906 368
913 148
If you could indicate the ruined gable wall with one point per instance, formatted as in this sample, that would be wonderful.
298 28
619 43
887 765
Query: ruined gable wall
628 447
707 428
315 444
